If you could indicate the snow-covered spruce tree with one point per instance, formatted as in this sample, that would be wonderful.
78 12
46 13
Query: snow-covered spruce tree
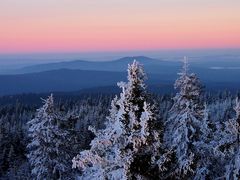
129 146
229 145
47 148
207 164
185 123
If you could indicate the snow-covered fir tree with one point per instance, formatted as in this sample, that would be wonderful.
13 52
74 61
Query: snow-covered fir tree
47 148
185 123
129 146
205 159
229 145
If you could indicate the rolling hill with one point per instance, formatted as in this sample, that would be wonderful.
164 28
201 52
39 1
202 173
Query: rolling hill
92 77
119 65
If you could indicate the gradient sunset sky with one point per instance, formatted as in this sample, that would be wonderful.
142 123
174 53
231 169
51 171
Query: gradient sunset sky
117 25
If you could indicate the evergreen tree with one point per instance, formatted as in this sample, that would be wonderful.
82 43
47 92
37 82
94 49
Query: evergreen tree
205 158
47 154
129 145
230 145
184 125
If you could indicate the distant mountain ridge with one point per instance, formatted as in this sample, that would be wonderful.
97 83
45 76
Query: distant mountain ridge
119 65
87 76
57 80
86 81
152 65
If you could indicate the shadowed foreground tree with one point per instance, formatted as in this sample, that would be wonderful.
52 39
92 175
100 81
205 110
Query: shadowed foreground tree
47 148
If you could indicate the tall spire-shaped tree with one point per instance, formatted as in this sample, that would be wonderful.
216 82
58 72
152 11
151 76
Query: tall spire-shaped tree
184 123
129 145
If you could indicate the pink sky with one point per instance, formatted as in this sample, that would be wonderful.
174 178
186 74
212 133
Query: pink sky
117 25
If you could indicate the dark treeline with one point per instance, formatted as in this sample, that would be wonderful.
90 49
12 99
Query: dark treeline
87 109
90 110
